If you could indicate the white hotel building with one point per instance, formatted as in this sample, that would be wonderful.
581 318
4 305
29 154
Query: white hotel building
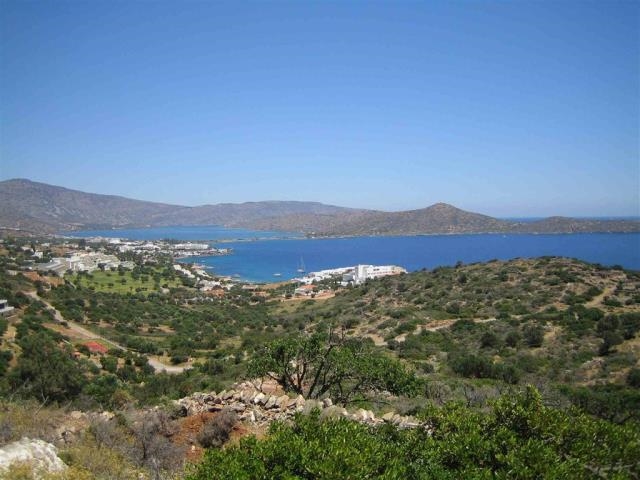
352 275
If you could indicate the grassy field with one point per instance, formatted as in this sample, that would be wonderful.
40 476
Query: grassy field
122 282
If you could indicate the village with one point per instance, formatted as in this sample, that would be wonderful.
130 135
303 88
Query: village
56 257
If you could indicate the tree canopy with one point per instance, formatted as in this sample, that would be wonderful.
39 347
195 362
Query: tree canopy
330 364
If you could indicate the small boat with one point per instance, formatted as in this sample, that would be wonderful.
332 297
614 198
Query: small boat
301 267
277 274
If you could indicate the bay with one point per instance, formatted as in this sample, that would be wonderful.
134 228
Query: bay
258 255
258 261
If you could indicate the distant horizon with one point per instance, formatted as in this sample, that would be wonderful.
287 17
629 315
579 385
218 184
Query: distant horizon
515 217
527 108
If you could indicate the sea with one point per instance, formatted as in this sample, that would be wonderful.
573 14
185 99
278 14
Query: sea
274 256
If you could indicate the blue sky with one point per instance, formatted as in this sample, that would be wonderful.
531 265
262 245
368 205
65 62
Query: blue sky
506 108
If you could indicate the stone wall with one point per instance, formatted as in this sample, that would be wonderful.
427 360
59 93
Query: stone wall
255 403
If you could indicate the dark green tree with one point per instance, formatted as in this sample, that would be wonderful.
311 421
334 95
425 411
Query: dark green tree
46 371
328 364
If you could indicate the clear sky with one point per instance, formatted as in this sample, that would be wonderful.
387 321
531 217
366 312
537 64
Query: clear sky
506 108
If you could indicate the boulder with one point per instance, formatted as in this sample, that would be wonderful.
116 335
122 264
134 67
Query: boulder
238 407
283 402
40 455
226 395
247 395
333 412
361 415
388 417
271 402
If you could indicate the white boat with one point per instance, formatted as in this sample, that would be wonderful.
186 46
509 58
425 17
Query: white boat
277 274
301 267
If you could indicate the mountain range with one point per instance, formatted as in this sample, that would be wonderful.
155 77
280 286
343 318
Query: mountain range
34 207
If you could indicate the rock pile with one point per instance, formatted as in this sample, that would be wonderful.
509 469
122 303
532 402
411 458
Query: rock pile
253 404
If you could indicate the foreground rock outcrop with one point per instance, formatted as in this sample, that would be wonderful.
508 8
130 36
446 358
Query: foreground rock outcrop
40 456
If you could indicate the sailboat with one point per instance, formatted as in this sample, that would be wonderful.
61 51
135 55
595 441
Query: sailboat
301 267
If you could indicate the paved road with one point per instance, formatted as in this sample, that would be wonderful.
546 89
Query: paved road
89 335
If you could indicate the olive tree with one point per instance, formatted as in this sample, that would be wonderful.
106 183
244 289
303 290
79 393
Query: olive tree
324 364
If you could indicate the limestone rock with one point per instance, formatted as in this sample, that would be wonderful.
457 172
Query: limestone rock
271 402
227 395
283 402
42 456
333 412
238 407
247 396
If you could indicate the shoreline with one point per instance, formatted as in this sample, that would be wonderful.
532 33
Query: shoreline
331 237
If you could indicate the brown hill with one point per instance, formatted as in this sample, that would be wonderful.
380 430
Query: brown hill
41 208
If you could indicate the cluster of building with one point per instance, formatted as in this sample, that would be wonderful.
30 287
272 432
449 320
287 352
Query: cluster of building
177 250
203 281
82 262
355 275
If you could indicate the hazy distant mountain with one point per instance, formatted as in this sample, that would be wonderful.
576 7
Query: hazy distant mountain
38 207
41 208
436 219
237 214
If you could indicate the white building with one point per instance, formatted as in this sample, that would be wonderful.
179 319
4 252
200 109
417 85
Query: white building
352 275
191 246
5 309
183 271
362 273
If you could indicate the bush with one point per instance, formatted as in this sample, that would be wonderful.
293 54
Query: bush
489 340
633 378
609 340
216 432
518 438
533 335
513 338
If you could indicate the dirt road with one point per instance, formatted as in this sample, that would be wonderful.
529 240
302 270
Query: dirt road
89 335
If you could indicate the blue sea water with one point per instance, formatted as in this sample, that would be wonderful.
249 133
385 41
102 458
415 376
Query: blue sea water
259 261
281 252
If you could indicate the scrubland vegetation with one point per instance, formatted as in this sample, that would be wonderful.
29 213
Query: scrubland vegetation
523 369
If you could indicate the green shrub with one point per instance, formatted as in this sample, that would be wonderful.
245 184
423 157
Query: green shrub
216 432
518 438
533 335
633 378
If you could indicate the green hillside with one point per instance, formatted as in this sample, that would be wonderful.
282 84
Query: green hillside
497 357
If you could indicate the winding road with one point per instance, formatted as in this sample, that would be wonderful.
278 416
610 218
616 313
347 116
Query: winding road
89 335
